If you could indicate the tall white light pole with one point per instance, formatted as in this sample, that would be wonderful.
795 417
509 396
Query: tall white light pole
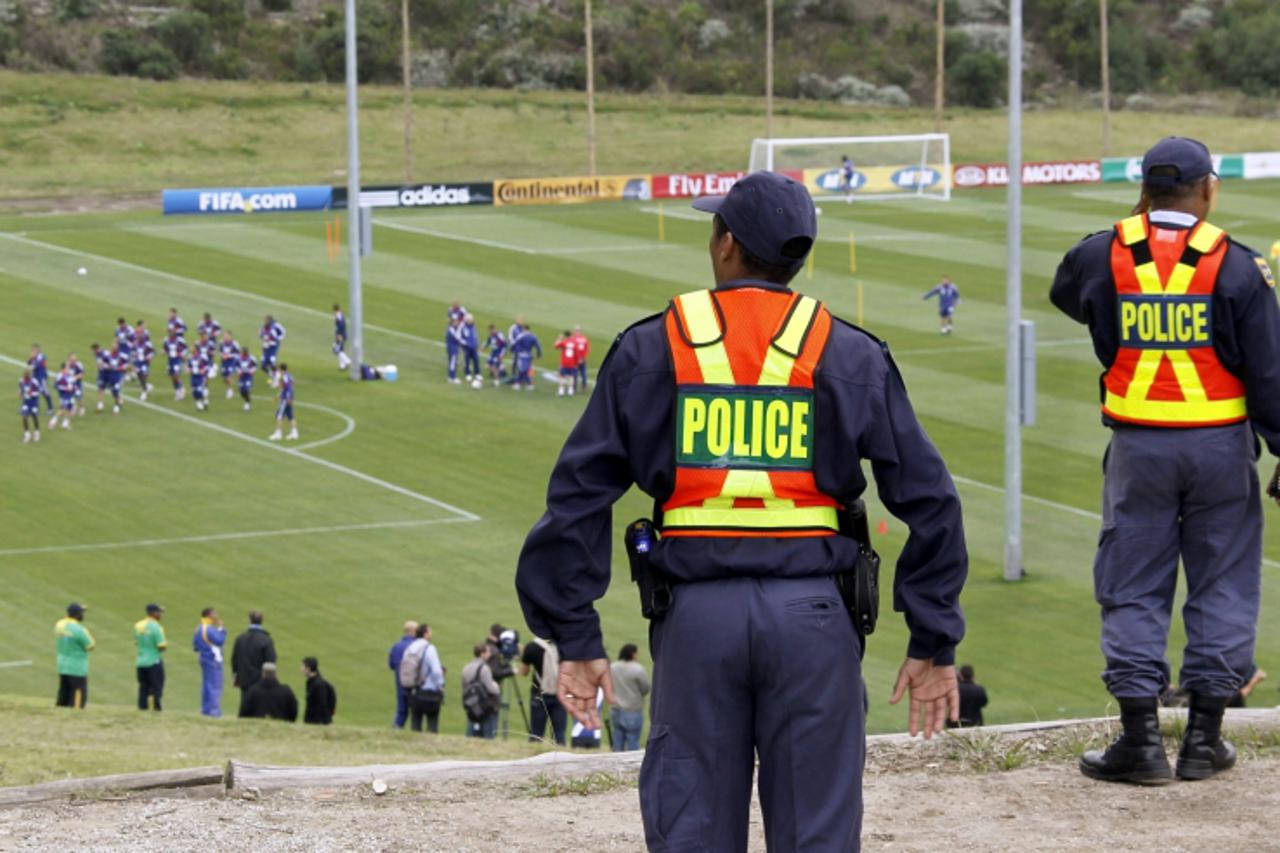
355 310
1013 311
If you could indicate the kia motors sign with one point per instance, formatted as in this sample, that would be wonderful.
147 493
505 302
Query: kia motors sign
971 175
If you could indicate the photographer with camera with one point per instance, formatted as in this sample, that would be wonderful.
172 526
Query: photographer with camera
504 646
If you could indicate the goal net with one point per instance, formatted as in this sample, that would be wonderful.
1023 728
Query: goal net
914 166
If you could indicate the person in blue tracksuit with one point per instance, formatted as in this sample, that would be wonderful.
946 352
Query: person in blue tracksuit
39 364
948 298
470 349
525 348
453 347
208 641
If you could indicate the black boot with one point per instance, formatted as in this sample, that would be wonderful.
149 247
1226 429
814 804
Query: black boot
1137 756
1203 751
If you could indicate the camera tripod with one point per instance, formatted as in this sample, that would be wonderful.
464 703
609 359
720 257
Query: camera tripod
509 689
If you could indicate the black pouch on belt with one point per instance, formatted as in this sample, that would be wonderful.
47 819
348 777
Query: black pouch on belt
860 588
655 590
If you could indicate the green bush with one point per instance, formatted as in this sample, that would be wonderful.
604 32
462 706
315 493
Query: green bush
157 62
189 35
226 16
76 10
229 65
8 42
277 5
125 53
977 80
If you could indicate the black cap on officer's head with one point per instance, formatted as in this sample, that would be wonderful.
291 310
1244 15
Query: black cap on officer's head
154 608
76 609
1189 158
771 215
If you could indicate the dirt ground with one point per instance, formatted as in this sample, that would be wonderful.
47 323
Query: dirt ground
1046 807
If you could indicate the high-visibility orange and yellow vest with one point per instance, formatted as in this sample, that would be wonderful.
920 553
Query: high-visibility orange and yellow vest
744 360
1166 372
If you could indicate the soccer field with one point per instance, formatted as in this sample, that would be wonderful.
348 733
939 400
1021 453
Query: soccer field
410 499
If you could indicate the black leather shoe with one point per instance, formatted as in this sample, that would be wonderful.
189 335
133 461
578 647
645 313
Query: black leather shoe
1204 753
1137 756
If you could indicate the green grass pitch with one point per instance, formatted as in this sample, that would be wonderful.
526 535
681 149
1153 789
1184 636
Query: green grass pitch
418 511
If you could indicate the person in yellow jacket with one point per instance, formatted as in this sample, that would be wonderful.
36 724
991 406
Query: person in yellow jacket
74 644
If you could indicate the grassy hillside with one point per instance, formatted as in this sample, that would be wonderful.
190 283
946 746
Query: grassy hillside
72 136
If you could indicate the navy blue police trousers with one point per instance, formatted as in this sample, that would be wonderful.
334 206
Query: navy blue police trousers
751 667
1170 493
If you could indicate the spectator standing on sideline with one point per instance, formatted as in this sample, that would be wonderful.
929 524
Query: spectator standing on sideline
253 650
322 699
210 637
394 656
269 699
74 644
499 666
542 659
481 694
149 635
427 678
973 698
630 687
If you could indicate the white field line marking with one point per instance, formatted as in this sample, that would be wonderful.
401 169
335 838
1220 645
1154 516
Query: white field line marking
223 537
695 216
10 664
195 282
444 235
346 431
292 451
1067 508
1065 342
586 250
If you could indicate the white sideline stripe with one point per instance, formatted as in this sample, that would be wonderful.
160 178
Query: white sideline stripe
1073 510
223 537
10 664
347 430
1065 342
445 235
695 216
293 451
195 282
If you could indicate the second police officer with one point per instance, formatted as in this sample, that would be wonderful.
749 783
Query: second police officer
745 412
1185 322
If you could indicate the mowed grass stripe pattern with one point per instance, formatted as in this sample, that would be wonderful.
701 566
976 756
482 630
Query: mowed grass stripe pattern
490 451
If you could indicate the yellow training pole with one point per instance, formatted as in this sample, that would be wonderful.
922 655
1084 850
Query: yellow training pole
858 285
853 255
662 224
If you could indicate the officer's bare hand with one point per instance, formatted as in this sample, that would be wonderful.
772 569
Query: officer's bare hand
576 689
934 692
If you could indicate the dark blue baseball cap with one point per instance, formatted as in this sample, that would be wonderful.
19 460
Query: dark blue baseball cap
1190 157
771 215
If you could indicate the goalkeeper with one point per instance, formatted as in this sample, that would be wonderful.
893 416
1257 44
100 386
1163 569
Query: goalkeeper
948 298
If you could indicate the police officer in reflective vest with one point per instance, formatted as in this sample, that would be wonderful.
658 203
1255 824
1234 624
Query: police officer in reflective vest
1185 321
746 412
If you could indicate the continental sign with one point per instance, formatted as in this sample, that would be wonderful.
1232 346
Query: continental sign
1165 322
572 190
1050 172
878 180
765 428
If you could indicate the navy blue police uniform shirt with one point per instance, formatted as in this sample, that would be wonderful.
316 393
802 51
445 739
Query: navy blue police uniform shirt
1246 317
626 435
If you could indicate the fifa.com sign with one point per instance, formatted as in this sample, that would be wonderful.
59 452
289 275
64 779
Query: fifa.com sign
247 200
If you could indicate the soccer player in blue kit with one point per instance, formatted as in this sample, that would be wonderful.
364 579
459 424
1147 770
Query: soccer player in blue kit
29 399
523 349
110 366
175 325
245 366
209 327
198 369
284 407
470 350
271 335
65 384
340 337
228 361
175 348
948 298
77 371
496 346
453 346
39 365
143 353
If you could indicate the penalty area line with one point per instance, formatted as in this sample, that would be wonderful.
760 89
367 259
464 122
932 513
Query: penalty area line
225 537
293 451
12 664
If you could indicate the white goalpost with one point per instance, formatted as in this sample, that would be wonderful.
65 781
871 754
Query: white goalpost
883 167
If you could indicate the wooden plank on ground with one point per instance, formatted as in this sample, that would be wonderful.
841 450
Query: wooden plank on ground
150 780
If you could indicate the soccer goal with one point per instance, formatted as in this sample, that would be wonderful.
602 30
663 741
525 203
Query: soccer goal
912 166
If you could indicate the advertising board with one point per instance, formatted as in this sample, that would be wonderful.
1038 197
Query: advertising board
419 195
973 175
572 190
247 200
